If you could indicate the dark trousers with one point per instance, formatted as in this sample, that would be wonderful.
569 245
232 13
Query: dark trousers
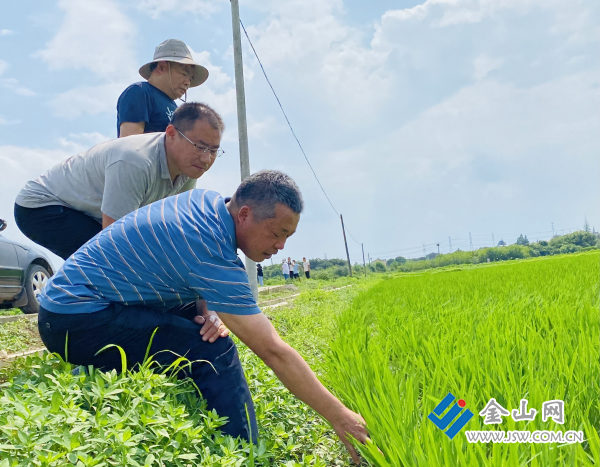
60 229
307 274
130 327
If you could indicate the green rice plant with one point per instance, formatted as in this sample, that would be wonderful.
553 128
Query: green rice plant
510 331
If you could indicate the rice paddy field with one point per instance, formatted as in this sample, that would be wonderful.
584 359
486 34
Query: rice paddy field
391 347
509 331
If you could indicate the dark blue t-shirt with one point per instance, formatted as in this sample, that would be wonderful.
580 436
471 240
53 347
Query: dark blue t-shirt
142 102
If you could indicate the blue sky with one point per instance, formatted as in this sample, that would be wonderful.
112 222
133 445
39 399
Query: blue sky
423 120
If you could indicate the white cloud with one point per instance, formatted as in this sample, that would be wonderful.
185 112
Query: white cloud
306 44
6 32
95 35
490 140
11 83
218 90
3 121
155 8
483 64
456 12
90 100
76 143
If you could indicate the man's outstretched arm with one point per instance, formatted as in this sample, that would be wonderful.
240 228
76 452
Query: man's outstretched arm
257 332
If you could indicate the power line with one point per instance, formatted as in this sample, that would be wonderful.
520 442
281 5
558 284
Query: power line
292 129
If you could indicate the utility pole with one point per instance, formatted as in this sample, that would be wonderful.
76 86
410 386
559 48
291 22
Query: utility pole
369 256
552 229
325 256
242 125
364 264
424 251
450 243
470 242
438 248
493 241
346 244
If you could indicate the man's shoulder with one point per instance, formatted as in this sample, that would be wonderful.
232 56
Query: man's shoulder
137 149
143 88
135 88
212 206
207 200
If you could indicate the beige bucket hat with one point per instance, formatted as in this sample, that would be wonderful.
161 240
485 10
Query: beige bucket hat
173 50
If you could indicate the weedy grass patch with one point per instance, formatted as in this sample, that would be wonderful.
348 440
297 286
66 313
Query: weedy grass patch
10 312
52 417
16 336
511 331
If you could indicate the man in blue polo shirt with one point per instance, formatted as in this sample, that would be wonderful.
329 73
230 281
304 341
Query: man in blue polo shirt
147 106
147 271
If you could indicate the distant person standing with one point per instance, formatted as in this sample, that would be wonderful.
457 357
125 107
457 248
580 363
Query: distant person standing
306 266
259 274
295 269
147 106
286 270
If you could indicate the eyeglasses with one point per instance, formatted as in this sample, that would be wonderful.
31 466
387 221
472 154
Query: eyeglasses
214 153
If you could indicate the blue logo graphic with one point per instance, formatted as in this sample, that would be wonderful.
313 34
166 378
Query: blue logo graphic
442 423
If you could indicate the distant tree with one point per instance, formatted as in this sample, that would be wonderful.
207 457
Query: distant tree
379 267
318 263
586 225
522 240
580 238
400 259
501 243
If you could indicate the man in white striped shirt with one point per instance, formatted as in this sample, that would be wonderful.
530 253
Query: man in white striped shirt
148 270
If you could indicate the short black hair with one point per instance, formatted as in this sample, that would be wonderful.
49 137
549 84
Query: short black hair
263 190
186 115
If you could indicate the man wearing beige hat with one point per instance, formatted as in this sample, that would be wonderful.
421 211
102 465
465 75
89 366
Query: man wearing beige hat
147 106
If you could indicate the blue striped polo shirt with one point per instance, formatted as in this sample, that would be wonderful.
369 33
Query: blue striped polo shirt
162 255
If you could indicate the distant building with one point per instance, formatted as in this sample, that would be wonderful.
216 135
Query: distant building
501 243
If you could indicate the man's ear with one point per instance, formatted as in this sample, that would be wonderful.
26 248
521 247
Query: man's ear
162 67
244 215
171 131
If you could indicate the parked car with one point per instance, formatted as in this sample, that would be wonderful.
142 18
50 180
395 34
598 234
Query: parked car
23 273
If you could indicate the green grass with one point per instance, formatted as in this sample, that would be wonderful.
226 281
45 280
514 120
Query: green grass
526 329
10 312
16 336
48 416
391 347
